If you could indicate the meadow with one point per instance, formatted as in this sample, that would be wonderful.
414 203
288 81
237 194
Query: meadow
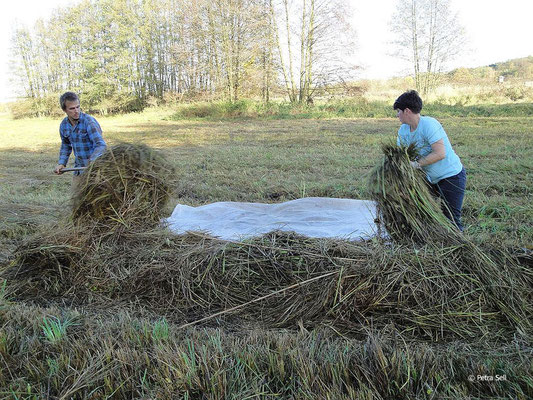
273 160
49 350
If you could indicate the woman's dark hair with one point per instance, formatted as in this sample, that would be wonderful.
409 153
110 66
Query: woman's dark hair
67 96
410 100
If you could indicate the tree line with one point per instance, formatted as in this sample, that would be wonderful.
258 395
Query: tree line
121 53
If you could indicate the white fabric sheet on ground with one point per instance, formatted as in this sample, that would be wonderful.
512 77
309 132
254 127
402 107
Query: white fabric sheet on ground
319 217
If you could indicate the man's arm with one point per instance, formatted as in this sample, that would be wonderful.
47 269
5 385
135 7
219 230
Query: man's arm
64 153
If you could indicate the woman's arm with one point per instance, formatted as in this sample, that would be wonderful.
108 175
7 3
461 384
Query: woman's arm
438 152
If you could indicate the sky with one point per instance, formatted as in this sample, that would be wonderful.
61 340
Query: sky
496 31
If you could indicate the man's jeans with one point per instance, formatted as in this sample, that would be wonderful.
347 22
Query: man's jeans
452 191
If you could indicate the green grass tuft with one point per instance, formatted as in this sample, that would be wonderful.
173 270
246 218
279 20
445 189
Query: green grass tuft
54 329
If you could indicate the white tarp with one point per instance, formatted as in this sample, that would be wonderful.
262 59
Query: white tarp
312 216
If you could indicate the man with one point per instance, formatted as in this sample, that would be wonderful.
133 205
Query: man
79 132
437 158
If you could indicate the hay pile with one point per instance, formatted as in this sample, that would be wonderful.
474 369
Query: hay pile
128 185
413 216
435 291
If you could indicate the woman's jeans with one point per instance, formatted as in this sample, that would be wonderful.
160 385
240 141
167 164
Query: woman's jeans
452 191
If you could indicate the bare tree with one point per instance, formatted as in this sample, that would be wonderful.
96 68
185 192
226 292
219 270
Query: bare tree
427 35
325 38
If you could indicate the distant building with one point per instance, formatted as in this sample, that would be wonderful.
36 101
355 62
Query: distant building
501 78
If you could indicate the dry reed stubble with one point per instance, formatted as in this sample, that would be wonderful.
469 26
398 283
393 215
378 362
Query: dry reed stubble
119 356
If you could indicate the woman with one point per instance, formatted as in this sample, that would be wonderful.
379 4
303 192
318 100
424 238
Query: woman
437 158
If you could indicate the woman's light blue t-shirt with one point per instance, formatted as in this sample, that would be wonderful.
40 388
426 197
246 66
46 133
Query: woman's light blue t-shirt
429 131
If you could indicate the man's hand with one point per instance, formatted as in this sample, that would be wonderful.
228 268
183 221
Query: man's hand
58 169
415 165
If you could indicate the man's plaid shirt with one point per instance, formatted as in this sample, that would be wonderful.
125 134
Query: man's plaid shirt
85 139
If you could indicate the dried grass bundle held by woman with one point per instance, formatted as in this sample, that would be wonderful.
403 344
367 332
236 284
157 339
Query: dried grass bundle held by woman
405 205
128 185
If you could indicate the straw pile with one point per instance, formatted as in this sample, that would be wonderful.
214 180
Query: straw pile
128 185
440 290
412 215
435 293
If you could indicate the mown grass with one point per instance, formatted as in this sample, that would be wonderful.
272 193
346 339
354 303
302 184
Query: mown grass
276 160
110 355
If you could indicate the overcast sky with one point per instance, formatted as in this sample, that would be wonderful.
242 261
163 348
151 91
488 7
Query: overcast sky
496 31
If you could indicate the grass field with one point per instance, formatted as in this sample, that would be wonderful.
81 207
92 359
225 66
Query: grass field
277 160
259 160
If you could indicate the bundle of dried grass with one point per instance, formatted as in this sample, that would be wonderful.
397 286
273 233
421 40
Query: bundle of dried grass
128 185
405 206
410 214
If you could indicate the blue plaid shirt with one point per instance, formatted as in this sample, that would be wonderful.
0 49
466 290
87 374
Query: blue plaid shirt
85 138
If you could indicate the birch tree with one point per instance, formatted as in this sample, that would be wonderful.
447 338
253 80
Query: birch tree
428 35
24 52
314 41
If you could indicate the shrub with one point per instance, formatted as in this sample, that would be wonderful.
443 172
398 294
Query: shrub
36 107
48 106
516 93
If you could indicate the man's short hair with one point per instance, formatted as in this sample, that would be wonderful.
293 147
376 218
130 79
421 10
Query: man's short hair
67 96
410 100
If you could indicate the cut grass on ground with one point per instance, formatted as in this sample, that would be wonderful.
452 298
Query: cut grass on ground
277 160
